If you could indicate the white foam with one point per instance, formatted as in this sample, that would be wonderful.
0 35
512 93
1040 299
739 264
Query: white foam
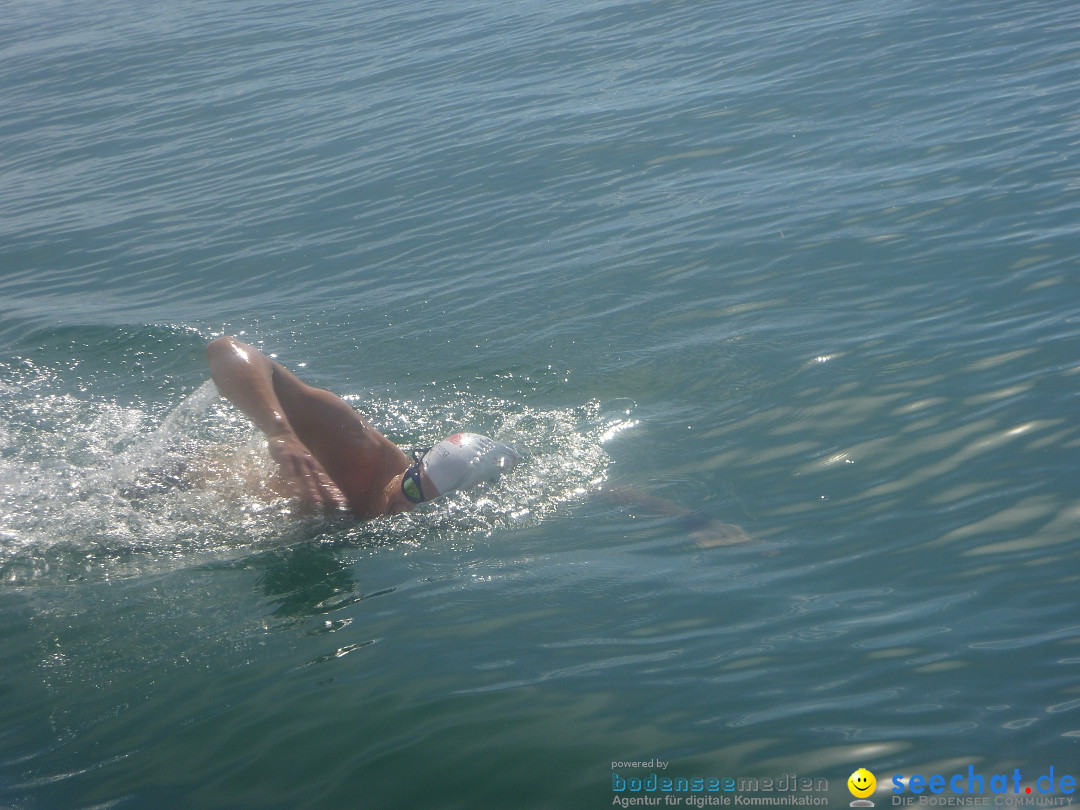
102 489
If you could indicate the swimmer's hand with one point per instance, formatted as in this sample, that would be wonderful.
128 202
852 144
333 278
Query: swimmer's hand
715 533
706 530
303 475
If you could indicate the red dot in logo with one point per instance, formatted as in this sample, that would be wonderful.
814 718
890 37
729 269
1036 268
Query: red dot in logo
1027 790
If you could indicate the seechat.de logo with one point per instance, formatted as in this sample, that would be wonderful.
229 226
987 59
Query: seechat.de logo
975 783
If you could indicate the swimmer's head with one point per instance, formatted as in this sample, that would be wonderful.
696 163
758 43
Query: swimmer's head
457 462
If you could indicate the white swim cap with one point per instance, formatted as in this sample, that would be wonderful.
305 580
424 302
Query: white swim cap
464 459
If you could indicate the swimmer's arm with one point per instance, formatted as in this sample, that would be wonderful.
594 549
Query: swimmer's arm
704 529
245 377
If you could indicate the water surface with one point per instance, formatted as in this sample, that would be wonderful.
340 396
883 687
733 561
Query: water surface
805 269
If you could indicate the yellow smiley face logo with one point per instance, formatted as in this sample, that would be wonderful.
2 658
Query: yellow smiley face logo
861 783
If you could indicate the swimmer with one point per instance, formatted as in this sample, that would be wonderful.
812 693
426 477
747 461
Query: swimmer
329 455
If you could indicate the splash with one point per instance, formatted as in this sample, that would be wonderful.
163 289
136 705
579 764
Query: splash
93 489
99 489
562 459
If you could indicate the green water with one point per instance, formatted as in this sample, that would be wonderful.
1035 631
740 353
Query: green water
806 270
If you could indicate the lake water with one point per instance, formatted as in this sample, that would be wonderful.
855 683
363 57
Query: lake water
805 269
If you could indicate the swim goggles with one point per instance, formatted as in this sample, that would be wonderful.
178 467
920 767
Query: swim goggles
410 481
